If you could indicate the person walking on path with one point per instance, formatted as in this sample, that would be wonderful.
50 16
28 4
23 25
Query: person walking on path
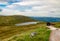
55 34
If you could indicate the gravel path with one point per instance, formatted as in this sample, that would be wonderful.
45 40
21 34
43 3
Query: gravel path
55 34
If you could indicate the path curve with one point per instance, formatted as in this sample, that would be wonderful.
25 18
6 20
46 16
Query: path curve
55 34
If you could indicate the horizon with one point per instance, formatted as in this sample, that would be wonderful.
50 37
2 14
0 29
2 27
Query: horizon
29 16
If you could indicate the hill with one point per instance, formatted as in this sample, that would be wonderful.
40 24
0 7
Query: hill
11 20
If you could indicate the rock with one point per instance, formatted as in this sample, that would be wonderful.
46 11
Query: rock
33 34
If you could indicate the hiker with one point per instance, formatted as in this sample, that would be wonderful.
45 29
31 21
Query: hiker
48 23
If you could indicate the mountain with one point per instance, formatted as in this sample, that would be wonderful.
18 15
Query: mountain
11 20
47 19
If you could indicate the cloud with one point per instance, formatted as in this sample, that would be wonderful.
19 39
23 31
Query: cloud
10 12
3 2
10 1
44 8
16 12
3 5
25 3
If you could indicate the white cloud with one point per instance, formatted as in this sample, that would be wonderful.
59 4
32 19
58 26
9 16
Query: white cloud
50 8
11 6
5 3
16 12
10 0
9 12
25 3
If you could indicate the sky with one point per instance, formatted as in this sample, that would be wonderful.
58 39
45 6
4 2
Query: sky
37 8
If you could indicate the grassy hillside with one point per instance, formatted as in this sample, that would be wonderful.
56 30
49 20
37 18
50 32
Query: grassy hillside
10 20
22 33
57 24
10 32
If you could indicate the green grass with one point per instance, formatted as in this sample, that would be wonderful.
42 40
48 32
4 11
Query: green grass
57 24
22 33
43 34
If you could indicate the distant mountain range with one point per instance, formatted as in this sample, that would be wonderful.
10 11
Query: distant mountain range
47 19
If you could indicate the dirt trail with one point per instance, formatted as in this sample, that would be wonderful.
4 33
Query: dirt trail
55 34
